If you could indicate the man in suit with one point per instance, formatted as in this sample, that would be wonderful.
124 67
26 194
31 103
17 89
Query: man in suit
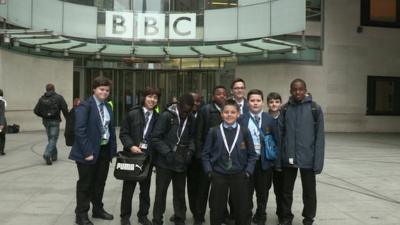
238 87
256 121
95 145
135 135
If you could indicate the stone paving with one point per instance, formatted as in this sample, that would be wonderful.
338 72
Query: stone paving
360 184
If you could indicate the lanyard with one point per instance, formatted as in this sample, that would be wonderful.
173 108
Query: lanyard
234 141
147 125
218 108
179 125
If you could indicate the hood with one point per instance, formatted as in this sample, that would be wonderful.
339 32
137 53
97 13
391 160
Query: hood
307 98
49 93
173 108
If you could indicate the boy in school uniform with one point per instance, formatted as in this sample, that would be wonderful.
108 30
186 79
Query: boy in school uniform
302 129
172 143
229 159
198 182
258 121
135 134
274 102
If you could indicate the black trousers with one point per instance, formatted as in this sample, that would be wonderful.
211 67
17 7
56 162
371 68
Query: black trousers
202 194
196 183
90 186
309 194
277 180
2 140
128 189
163 179
237 186
260 182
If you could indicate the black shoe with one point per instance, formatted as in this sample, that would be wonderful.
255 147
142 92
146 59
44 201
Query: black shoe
2 153
83 221
125 222
285 223
172 218
229 221
47 159
103 215
145 221
54 158
198 222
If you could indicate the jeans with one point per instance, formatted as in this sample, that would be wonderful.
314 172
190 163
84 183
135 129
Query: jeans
52 130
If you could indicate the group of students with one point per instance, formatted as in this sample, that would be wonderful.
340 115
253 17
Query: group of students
216 149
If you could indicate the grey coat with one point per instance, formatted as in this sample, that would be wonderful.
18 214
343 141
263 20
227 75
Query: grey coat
301 139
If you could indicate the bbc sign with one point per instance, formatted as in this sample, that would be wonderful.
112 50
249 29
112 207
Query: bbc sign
150 26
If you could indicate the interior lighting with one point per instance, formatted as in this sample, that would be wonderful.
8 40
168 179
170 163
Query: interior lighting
37 48
6 38
98 56
265 54
66 53
16 43
294 50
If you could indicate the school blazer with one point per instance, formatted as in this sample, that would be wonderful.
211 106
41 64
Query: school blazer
212 151
266 121
88 132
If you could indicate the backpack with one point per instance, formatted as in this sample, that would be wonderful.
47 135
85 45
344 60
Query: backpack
269 147
48 107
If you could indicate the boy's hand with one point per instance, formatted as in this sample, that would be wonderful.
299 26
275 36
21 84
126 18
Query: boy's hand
89 158
136 149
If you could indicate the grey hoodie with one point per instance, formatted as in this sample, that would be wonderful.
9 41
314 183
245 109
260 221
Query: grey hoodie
301 140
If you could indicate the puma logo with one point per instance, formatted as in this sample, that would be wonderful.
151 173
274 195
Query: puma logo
127 166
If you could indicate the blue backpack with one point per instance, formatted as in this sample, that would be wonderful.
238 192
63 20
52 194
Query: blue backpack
269 147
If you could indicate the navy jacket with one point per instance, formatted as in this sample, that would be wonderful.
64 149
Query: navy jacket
214 147
88 132
267 122
301 140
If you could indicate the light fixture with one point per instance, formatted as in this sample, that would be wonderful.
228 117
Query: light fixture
201 57
37 48
265 53
16 43
167 58
6 38
66 53
98 56
294 50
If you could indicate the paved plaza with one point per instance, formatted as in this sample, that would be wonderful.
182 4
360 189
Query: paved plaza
360 184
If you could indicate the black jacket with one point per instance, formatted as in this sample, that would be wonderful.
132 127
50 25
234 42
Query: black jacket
132 128
62 105
69 132
3 120
165 137
207 117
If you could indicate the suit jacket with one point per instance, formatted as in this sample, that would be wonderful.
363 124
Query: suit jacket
88 132
266 122
132 128
245 106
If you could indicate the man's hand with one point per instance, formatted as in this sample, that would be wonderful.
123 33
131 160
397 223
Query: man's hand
136 149
89 158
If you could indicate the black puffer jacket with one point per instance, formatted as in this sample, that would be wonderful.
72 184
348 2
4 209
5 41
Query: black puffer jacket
209 116
62 105
165 137
132 128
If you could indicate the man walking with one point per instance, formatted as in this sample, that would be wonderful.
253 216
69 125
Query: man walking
49 107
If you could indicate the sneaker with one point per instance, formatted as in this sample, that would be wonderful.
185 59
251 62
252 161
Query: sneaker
54 158
145 221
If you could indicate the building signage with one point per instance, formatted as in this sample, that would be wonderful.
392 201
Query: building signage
150 26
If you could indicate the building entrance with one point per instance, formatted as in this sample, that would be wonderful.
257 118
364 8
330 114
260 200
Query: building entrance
129 84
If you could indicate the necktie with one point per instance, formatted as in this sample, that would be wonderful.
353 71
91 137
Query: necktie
257 119
146 117
101 108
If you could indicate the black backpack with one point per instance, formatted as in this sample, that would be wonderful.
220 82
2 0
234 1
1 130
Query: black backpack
48 107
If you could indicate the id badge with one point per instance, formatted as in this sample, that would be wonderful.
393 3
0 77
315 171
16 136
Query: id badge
175 148
229 164
257 146
143 145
